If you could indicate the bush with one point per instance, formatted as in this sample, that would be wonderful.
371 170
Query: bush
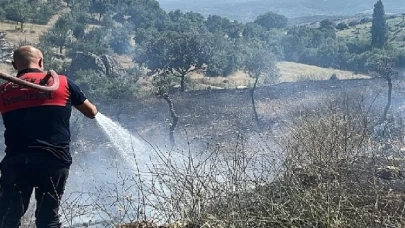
105 88
342 26
324 168
119 40
333 176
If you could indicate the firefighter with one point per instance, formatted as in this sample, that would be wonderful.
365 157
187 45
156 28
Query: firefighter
37 137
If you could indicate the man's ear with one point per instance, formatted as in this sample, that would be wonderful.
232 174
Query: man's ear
41 63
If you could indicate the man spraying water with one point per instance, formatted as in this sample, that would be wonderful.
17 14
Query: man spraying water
37 138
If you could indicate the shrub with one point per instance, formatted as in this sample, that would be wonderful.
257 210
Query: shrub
323 168
342 26
105 88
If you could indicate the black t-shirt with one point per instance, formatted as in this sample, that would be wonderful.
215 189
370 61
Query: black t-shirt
38 121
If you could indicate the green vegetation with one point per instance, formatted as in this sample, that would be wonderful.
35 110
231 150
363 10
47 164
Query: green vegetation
323 154
24 11
379 36
179 43
361 33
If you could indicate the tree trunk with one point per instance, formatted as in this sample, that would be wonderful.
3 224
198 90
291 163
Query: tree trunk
175 119
252 91
387 107
182 89
60 49
22 26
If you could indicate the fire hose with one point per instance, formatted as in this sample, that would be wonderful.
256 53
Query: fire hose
41 86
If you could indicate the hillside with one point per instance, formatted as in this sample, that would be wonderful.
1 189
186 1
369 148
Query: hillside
362 32
248 10
289 71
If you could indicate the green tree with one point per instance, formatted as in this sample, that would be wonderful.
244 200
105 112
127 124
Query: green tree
79 30
272 20
100 7
19 11
260 62
2 14
342 26
58 35
174 52
95 41
119 41
145 14
253 30
223 26
382 64
162 83
106 88
327 24
379 28
185 22
43 14
222 56
143 36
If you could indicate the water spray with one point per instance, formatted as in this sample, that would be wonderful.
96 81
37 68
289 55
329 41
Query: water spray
43 82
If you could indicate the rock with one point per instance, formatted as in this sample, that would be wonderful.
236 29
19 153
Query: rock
113 67
105 65
86 61
6 49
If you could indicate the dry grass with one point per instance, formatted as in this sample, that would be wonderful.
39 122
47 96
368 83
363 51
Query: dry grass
291 72
125 61
32 31
232 81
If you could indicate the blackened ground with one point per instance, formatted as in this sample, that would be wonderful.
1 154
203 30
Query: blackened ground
216 116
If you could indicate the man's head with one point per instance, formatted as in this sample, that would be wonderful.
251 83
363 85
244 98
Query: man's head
27 57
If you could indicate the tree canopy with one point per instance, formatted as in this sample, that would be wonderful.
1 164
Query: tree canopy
379 30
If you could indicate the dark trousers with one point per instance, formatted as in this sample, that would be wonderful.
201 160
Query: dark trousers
20 175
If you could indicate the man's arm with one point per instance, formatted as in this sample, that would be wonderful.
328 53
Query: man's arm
80 101
88 109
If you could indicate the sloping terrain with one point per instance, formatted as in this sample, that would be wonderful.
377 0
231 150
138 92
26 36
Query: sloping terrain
248 10
362 32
